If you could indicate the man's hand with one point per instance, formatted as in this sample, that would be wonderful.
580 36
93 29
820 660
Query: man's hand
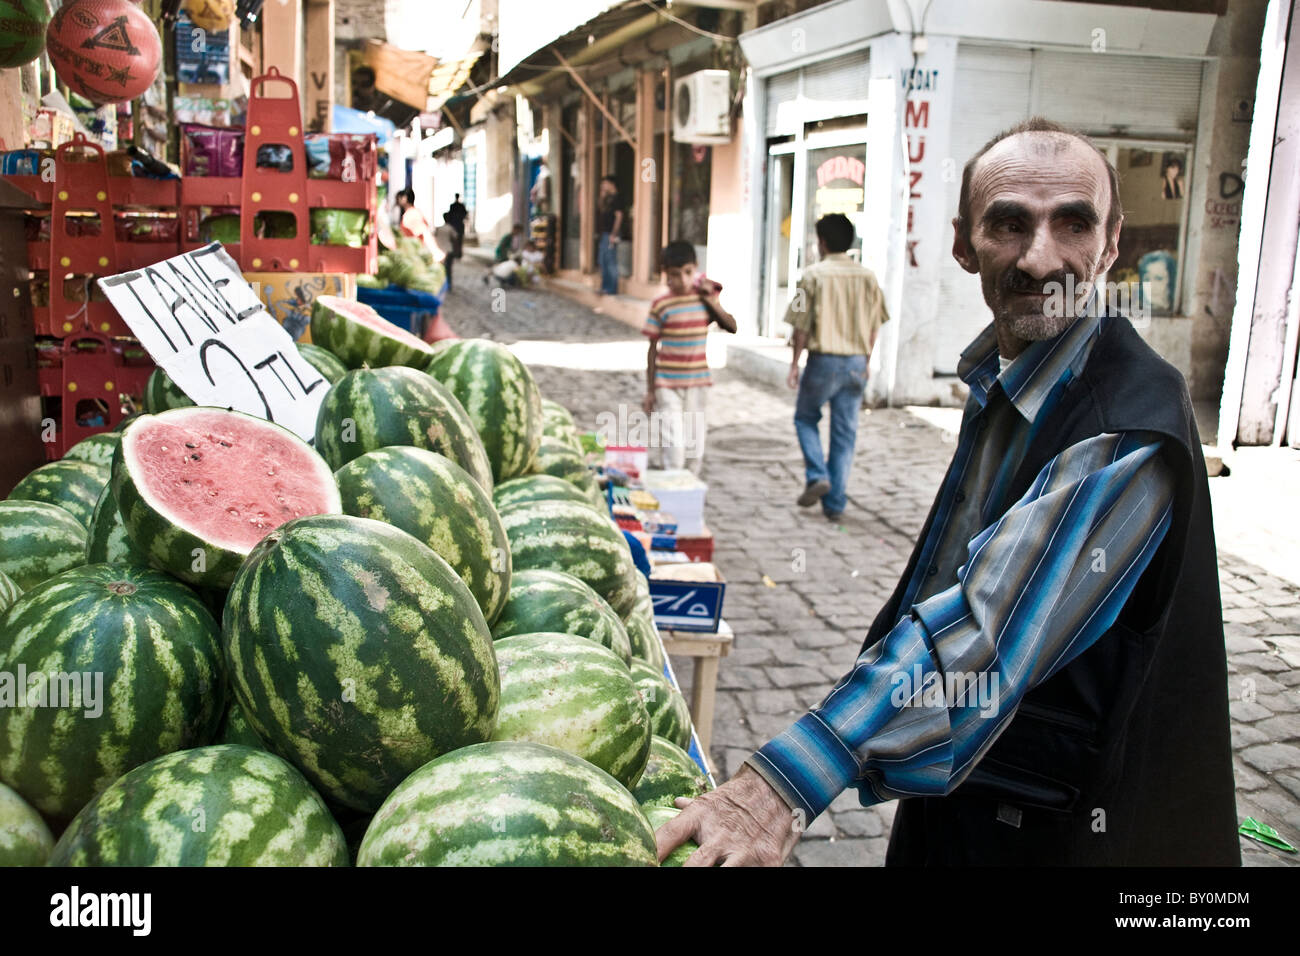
792 379
648 403
742 823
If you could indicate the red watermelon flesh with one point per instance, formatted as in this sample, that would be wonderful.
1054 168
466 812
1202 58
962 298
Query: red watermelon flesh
106 50
360 312
229 477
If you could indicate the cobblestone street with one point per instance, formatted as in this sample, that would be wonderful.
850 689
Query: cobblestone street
801 592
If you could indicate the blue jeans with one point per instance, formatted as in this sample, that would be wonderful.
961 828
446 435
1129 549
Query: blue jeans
607 257
840 380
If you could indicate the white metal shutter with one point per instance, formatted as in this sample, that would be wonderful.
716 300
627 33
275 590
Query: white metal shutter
1100 92
841 79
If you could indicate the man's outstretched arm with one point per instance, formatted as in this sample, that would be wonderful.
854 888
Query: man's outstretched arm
1032 597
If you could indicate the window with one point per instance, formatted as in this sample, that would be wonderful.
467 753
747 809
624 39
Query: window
1154 190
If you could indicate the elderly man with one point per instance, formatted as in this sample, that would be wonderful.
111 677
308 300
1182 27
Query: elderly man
1048 683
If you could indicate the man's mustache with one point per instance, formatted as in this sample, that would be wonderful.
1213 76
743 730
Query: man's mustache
1016 281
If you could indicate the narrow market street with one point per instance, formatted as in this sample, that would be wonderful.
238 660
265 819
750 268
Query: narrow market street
801 592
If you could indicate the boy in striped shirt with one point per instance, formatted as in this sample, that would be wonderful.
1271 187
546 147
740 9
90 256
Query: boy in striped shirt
677 368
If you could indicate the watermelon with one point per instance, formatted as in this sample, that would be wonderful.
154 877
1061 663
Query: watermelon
501 398
562 434
198 487
9 592
22 32
376 408
553 411
509 804
658 816
644 640
553 601
573 538
38 540
569 692
106 539
536 488
72 485
670 717
323 361
97 449
223 805
561 460
151 655
431 497
234 729
161 393
25 840
357 654
669 773
359 335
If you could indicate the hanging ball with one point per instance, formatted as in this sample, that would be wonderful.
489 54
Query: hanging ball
108 51
22 31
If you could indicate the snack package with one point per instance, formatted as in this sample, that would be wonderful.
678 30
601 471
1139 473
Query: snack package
339 227
211 151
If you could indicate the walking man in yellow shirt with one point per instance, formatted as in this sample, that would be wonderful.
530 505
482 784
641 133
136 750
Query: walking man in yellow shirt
836 313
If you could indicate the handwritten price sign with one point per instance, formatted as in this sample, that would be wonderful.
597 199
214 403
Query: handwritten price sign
208 330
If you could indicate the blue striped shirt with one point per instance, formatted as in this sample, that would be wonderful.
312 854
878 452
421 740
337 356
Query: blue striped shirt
1003 595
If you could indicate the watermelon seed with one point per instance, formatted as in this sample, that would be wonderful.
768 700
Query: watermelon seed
190 444
195 457
224 444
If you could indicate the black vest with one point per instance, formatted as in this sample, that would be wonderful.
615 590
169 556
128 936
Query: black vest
1123 757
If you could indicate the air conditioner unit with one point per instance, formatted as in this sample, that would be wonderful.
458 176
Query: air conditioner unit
702 107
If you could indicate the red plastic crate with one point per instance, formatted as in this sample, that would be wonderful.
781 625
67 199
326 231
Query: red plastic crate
97 375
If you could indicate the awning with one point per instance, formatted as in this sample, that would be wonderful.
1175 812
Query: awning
420 81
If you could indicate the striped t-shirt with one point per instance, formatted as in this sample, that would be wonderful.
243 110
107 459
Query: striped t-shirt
680 324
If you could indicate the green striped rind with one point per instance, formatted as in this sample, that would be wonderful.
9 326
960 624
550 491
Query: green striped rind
175 548
431 497
161 393
234 729
563 461
554 411
536 488
323 361
644 639
9 592
72 485
222 805
658 816
568 692
541 601
97 449
357 654
669 773
358 344
571 537
25 840
501 398
670 717
38 540
509 804
106 539
163 680
376 408
563 434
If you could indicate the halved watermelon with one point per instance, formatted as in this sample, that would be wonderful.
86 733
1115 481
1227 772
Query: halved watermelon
359 335
199 487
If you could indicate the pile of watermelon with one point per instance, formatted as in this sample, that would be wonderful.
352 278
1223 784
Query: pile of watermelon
419 639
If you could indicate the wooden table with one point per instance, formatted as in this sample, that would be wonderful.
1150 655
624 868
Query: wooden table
707 650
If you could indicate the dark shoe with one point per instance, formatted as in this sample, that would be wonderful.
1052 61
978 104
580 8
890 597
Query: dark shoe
834 515
813 492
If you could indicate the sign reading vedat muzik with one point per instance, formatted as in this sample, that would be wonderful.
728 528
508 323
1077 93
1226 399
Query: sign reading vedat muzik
208 330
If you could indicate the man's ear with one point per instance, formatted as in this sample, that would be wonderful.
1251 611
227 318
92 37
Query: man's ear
961 249
1111 252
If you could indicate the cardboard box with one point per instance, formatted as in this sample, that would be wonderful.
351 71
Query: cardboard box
288 296
687 596
680 494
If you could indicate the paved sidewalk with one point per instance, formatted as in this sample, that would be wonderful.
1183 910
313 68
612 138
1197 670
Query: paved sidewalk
801 592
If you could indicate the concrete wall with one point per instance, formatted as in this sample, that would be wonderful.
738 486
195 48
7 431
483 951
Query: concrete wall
1215 194
493 133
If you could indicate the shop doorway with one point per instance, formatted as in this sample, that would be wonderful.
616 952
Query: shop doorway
820 172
